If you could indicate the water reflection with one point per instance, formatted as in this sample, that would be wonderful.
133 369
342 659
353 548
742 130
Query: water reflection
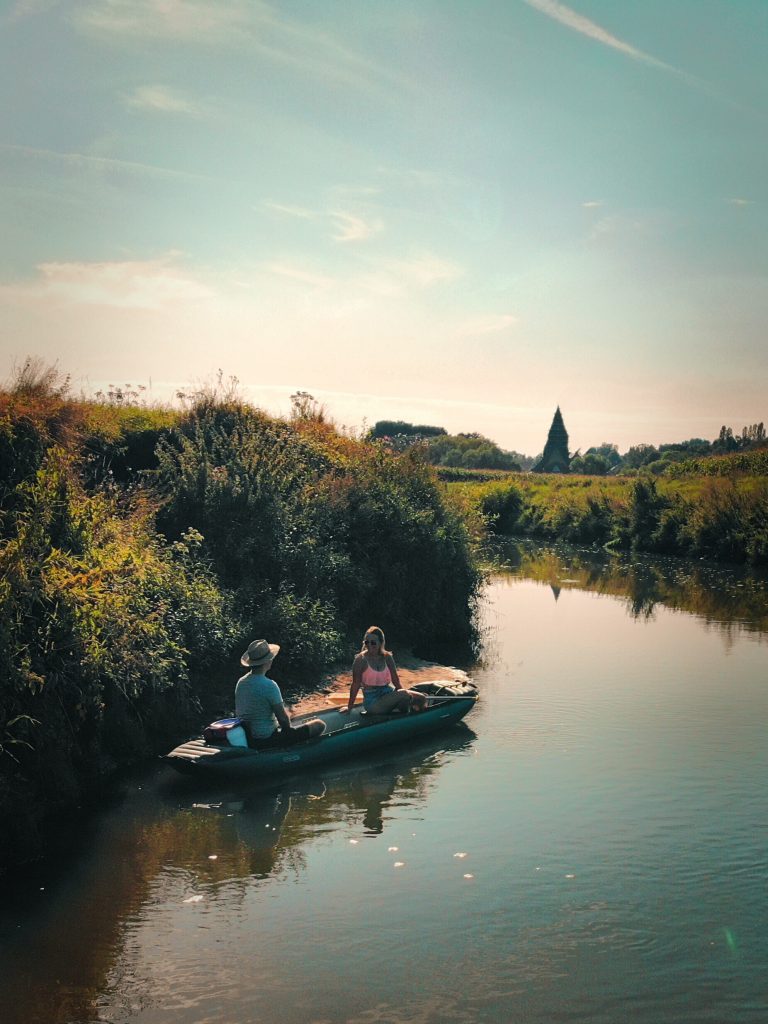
65 929
730 599
258 833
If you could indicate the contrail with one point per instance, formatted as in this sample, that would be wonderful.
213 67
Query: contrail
103 163
578 23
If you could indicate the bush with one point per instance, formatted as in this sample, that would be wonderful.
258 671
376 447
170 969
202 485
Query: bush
501 505
317 536
101 626
729 523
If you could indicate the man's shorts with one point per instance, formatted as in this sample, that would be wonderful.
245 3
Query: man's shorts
282 738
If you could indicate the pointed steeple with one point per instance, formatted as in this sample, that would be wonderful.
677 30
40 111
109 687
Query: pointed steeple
555 458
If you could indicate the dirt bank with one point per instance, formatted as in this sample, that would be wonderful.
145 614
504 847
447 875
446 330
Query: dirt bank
409 668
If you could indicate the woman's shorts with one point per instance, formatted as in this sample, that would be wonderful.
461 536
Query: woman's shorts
373 694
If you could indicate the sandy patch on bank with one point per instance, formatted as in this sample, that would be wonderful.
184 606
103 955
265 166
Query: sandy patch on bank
409 668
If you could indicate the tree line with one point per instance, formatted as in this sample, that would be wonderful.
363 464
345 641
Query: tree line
474 451
450 451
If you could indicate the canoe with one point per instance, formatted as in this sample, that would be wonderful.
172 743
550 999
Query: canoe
346 734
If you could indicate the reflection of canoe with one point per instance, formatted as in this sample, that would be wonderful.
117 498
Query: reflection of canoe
346 734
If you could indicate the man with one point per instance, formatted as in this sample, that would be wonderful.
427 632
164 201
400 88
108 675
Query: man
259 703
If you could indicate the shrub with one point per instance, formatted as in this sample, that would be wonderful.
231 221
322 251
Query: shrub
101 626
501 505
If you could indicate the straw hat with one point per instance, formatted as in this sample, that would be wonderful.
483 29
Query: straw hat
259 653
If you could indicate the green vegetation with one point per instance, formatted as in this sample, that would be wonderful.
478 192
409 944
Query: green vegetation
458 455
719 517
140 549
454 451
391 430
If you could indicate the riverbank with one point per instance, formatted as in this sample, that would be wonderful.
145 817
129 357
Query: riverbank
142 549
717 515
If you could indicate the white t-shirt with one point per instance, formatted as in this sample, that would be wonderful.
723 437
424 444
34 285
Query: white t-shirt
255 697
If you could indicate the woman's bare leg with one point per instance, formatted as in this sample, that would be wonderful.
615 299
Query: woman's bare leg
418 699
399 699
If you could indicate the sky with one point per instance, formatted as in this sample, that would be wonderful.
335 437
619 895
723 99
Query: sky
448 212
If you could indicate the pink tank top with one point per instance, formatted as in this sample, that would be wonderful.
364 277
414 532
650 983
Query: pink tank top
373 677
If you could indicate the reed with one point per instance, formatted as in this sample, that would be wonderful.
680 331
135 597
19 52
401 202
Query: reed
712 515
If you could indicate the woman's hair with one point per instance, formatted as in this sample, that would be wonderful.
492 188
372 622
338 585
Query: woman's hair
378 632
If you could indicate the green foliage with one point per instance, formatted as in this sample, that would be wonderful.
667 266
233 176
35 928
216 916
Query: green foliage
101 628
501 505
607 451
470 451
399 428
317 538
719 519
112 630
751 463
412 565
590 464
237 476
730 523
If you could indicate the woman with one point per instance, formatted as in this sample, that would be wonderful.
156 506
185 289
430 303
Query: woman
374 670
259 703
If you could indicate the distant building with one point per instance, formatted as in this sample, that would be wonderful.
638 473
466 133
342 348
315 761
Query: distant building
555 458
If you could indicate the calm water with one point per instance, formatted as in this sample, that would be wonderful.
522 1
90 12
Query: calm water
591 847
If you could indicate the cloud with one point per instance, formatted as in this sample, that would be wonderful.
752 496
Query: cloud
350 228
423 270
84 161
578 23
29 9
291 211
592 204
739 202
415 178
617 226
195 20
162 100
396 277
344 225
299 274
488 323
127 284
250 26
384 277
354 192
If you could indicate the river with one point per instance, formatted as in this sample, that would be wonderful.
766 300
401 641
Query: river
591 846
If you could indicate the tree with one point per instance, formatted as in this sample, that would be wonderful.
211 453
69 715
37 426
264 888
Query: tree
590 464
608 451
397 428
639 455
725 442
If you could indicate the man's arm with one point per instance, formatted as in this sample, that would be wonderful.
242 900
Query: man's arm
282 716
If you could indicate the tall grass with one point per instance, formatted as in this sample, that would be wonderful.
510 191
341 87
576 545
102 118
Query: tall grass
721 518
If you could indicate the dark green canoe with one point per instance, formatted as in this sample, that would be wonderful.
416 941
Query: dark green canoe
346 735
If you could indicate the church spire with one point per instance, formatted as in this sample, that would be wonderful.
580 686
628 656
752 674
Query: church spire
555 458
